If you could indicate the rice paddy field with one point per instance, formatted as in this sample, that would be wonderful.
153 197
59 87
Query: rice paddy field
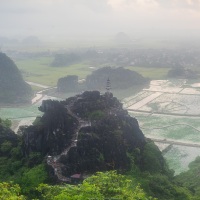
169 110
38 70
23 115
166 110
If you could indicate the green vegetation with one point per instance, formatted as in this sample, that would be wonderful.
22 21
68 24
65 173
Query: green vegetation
190 178
107 185
182 73
61 60
13 88
96 115
30 178
5 123
145 177
153 160
10 191
120 78
36 88
38 70
67 84
151 72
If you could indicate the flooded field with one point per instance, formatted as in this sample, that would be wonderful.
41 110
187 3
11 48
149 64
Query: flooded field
23 115
167 97
170 111
167 110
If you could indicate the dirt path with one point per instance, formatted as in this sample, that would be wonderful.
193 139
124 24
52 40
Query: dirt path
168 126
175 142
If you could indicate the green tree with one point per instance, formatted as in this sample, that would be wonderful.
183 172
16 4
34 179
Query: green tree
103 185
6 123
6 146
31 179
10 191
190 179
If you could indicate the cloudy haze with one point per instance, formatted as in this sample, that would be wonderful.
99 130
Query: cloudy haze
99 17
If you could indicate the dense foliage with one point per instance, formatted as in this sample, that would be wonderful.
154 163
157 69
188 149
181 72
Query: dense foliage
13 89
107 185
110 140
190 178
182 73
105 133
10 191
67 84
120 78
65 59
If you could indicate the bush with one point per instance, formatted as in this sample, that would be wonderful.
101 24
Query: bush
10 191
103 185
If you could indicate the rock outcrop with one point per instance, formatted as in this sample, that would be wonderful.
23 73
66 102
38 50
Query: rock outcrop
120 78
86 133
13 89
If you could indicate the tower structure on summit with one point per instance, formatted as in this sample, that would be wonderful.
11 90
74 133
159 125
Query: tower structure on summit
108 86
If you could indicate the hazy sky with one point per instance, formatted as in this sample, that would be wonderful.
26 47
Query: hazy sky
52 18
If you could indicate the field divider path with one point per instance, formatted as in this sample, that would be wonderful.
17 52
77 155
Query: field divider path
162 127
146 100
162 113
175 142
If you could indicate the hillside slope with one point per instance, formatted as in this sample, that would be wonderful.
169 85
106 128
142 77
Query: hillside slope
13 89
87 133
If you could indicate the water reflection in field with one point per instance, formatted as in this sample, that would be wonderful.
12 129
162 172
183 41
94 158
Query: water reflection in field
23 115
174 115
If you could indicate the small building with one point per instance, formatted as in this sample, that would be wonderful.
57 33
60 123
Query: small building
76 178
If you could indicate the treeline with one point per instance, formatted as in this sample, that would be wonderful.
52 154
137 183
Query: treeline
170 58
120 78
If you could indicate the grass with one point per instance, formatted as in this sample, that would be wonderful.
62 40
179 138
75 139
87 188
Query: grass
151 72
35 88
38 70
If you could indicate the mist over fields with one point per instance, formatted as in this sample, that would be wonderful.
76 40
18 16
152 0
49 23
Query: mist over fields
89 19
100 99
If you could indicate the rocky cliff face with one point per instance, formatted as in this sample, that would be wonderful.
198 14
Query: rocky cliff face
8 139
13 89
85 133
52 132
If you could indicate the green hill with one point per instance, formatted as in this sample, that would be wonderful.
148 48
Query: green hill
13 89
87 139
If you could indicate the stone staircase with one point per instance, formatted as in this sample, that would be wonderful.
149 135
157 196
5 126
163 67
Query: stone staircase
54 161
